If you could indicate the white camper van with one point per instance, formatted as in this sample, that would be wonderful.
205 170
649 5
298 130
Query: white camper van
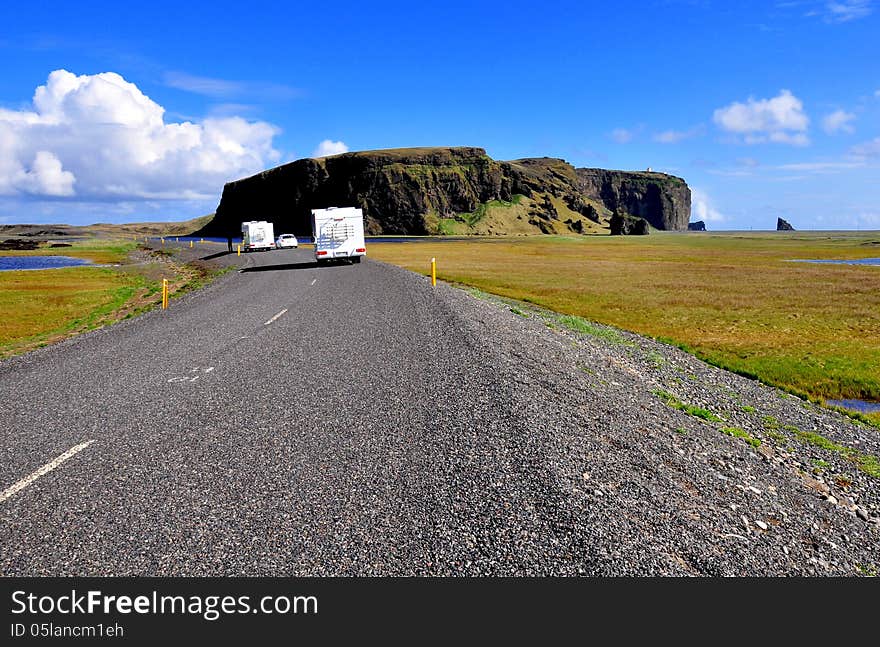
338 234
257 235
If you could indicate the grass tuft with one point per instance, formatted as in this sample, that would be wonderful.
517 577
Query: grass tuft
736 432
581 325
689 409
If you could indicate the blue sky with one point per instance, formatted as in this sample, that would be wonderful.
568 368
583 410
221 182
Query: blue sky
767 109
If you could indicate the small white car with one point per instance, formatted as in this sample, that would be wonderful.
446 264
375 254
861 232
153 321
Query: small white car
285 240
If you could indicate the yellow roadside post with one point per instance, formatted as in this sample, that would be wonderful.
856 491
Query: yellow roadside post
164 293
433 271
202 240
239 250
190 244
163 241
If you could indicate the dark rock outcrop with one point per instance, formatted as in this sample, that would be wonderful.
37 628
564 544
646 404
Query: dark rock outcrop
699 225
623 224
782 225
18 245
419 190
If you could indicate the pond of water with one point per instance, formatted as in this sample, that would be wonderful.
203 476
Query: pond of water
39 262
835 261
862 406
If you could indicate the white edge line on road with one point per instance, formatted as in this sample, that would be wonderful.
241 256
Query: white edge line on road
48 467
275 317
313 281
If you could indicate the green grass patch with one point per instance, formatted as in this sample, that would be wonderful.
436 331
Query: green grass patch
40 306
581 325
747 409
866 463
868 570
691 410
657 360
736 432
776 437
819 464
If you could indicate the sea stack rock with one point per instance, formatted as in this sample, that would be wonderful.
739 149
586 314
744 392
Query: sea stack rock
697 226
783 225
623 224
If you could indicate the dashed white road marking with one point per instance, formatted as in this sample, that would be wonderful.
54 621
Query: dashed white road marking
48 467
313 281
275 317
188 378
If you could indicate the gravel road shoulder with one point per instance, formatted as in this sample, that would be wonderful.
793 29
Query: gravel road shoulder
763 484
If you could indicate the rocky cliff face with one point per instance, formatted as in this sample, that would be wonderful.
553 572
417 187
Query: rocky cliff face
783 225
663 200
420 191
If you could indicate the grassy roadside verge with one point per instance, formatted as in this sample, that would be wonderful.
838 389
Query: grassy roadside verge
734 300
46 306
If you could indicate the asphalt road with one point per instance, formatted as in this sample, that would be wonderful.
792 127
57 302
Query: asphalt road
354 420
290 419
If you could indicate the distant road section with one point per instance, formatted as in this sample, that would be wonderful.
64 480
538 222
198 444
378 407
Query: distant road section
353 420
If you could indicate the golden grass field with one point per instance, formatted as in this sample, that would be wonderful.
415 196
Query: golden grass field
733 299
40 307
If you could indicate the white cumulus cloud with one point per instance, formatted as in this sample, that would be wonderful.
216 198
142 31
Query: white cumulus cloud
703 209
838 121
46 177
99 136
781 120
329 147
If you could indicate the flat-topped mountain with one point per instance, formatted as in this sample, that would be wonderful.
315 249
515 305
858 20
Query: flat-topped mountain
460 190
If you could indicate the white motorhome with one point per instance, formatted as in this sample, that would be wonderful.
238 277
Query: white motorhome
257 235
339 234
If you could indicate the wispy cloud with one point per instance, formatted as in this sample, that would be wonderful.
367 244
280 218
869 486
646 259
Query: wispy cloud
676 136
622 135
820 167
838 121
731 172
866 149
226 89
846 10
